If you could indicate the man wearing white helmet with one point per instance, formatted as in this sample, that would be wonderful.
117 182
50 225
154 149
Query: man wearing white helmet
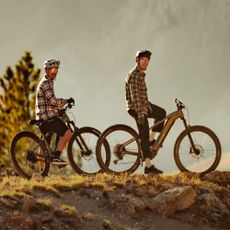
48 106
140 108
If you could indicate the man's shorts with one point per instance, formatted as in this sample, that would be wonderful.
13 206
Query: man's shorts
54 124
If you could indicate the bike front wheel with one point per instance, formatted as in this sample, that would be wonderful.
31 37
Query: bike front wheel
207 154
82 151
124 149
27 155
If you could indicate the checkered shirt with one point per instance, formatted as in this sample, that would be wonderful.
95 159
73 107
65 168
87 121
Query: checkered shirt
47 105
136 92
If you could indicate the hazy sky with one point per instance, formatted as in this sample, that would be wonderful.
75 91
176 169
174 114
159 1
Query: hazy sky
96 42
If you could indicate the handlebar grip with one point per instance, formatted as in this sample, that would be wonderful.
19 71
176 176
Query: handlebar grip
179 104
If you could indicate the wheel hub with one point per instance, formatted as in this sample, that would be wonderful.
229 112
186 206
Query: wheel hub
199 151
87 155
118 151
31 157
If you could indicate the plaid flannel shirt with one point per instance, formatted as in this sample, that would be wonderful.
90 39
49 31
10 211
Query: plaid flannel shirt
136 92
47 105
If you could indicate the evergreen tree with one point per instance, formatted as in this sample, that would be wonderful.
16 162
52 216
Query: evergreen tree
17 101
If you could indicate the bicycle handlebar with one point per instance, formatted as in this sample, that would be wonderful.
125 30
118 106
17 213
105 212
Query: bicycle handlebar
66 107
179 104
70 105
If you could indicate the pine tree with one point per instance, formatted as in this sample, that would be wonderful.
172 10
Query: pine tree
17 101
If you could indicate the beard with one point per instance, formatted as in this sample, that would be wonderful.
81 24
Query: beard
52 76
143 68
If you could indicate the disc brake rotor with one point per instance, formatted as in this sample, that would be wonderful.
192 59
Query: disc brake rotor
199 151
87 155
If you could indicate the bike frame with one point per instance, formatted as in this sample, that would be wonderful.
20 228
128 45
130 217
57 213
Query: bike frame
71 125
171 118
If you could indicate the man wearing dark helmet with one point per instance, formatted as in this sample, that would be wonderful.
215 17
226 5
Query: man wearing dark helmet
140 108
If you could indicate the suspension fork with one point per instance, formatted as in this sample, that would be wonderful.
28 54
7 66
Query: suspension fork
187 127
74 129
80 141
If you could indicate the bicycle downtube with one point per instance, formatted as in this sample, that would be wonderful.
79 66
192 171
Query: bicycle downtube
170 122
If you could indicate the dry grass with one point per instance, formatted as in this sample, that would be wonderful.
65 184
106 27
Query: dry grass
47 189
16 187
66 211
44 204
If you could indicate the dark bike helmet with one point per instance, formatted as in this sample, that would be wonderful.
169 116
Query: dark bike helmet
51 63
143 53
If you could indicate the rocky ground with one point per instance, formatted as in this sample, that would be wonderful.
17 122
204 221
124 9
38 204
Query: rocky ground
182 201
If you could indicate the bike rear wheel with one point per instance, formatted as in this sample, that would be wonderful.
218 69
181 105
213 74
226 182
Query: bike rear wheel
124 149
208 150
82 151
27 155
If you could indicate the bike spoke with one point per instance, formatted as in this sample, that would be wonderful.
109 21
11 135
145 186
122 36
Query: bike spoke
83 152
28 157
206 148
123 149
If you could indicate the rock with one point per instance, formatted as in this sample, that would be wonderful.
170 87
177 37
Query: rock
128 204
151 191
89 216
218 177
107 224
149 204
66 211
137 203
170 201
212 204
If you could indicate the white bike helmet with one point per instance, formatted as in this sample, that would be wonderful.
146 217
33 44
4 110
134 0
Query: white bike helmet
51 63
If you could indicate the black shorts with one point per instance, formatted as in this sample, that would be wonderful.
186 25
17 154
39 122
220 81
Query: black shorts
54 124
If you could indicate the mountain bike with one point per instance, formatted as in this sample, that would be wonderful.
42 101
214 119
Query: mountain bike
30 153
197 148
